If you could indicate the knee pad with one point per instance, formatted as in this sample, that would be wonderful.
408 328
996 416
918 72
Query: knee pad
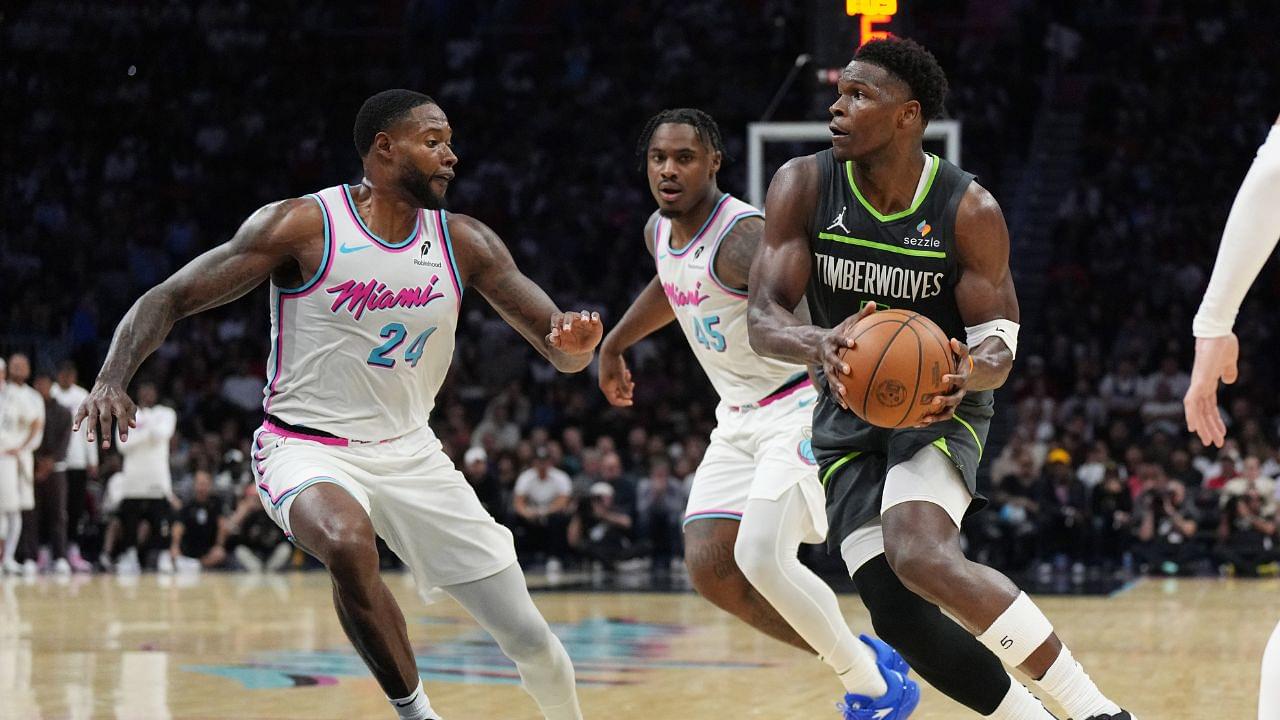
935 646
900 617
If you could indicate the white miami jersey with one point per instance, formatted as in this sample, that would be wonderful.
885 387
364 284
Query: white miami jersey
713 315
361 348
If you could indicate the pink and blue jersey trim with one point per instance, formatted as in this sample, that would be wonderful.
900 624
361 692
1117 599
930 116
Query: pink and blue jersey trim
716 514
711 264
793 385
697 238
326 262
359 221
442 227
282 294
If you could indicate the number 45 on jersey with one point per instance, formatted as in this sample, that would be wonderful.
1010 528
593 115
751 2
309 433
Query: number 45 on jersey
704 329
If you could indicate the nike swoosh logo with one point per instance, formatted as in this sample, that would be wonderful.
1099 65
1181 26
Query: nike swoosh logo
807 403
345 249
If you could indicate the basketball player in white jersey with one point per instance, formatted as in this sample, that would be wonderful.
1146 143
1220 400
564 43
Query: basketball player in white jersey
1251 233
756 495
365 283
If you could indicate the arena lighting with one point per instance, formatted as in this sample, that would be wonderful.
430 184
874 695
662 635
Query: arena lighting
873 12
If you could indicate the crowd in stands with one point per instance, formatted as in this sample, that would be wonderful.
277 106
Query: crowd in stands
169 132
1100 469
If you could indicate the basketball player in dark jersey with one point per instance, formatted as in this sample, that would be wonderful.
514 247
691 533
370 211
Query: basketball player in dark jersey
875 222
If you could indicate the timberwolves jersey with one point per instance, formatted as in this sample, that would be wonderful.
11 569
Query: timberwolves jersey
713 315
361 348
905 260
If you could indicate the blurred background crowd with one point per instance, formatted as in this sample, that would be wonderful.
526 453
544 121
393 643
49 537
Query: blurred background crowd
1113 134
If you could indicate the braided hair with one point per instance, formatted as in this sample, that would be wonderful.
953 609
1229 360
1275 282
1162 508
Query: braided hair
703 124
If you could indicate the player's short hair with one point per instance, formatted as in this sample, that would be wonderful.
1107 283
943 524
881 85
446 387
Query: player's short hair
383 110
914 65
703 124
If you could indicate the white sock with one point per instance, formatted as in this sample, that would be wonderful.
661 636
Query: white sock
1269 700
11 539
861 675
1068 683
414 707
765 551
1020 704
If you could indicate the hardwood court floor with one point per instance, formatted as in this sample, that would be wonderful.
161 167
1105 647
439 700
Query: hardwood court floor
235 646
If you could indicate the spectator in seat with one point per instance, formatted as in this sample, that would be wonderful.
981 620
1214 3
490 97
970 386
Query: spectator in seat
1018 515
1246 536
1166 527
599 531
542 495
475 467
1111 517
199 536
624 488
257 541
1063 511
1250 478
660 503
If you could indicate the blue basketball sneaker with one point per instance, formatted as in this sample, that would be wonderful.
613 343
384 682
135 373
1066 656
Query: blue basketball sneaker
898 702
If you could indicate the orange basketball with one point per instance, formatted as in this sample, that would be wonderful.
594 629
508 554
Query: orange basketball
897 367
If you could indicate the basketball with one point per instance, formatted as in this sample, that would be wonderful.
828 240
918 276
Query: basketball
897 367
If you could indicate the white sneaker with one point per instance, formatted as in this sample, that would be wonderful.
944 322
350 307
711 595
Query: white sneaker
164 564
30 568
554 571
247 559
11 568
128 563
280 557
61 567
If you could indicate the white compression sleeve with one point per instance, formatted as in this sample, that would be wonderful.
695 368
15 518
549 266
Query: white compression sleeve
1251 233
1269 697
502 606
768 538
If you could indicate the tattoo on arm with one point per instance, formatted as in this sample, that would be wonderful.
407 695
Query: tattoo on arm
737 251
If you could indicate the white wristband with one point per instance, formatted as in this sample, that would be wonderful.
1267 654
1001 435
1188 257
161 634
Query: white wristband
1006 330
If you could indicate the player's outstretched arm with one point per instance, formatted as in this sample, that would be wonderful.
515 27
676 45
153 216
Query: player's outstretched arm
1250 236
648 313
986 299
780 274
269 238
567 340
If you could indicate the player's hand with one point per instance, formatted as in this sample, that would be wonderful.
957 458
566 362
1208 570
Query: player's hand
1215 360
943 407
615 379
107 402
575 332
836 340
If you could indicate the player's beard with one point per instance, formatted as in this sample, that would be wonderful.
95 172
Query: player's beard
418 185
